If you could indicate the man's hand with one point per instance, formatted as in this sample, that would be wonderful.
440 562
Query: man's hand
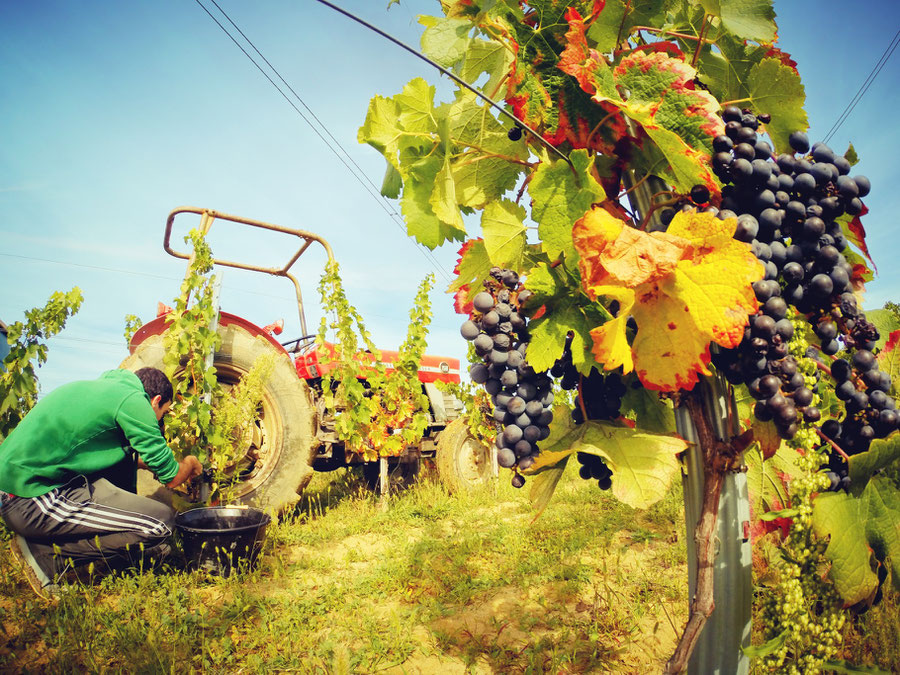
187 468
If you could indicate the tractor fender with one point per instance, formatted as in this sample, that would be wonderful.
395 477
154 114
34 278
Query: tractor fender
158 326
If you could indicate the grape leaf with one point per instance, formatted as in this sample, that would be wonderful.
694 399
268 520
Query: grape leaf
855 232
416 204
548 335
726 68
661 97
604 30
487 57
392 182
445 41
766 434
881 453
504 233
851 155
643 464
766 478
889 356
836 516
886 322
775 88
747 19
685 288
471 270
651 413
859 527
544 483
559 198
488 166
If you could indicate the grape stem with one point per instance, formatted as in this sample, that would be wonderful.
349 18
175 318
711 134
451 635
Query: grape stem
700 40
718 459
581 398
834 445
683 36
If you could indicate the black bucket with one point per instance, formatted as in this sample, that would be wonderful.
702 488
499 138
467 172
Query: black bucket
221 539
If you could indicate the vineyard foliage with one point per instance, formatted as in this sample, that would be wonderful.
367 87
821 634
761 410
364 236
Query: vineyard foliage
379 409
27 349
604 102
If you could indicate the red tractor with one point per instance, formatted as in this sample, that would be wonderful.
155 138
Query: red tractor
295 433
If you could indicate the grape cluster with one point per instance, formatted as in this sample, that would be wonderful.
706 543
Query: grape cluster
599 397
787 208
594 468
522 398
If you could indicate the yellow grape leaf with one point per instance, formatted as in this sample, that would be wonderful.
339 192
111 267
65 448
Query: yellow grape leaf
643 464
685 288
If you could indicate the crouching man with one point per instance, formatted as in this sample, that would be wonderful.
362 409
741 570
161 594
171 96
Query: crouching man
68 471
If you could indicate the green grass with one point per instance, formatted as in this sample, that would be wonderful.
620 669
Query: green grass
434 583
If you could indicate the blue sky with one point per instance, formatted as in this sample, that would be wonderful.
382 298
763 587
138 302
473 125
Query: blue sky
113 113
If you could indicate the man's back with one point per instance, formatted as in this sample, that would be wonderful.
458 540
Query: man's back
76 429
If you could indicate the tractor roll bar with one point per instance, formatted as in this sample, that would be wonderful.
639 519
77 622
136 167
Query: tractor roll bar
207 216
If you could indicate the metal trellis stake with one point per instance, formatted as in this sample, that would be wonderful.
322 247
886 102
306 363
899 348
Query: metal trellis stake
718 649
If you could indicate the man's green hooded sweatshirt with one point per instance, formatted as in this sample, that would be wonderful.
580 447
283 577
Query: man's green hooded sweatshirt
82 428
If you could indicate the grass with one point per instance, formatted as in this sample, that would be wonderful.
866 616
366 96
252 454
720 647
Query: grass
435 583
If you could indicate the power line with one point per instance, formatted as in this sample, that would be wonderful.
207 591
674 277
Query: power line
864 87
361 176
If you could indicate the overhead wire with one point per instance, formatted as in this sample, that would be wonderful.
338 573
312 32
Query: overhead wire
864 87
360 175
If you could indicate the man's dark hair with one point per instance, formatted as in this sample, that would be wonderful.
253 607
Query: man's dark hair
155 383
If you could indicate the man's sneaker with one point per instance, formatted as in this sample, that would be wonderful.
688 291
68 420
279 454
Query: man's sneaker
37 578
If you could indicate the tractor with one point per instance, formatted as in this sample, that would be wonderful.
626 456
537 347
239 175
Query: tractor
295 434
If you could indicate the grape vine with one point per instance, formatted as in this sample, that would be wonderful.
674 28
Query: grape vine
18 380
680 236
378 408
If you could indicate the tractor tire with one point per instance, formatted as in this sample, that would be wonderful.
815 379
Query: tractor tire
284 444
463 462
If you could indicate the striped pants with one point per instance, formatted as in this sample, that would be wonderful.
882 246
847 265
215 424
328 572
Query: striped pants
88 521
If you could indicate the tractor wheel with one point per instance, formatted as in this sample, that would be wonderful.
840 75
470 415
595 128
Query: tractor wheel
276 464
463 462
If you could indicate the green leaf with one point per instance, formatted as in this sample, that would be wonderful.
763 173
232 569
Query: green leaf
764 478
483 170
885 321
559 199
837 516
643 464
504 233
487 57
775 88
851 155
392 182
473 266
767 648
416 106
747 19
548 334
381 129
651 413
544 483
605 30
415 204
445 41
880 454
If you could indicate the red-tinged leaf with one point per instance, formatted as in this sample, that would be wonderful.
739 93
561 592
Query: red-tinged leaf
471 269
577 59
684 288
856 233
783 57
767 436
669 48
